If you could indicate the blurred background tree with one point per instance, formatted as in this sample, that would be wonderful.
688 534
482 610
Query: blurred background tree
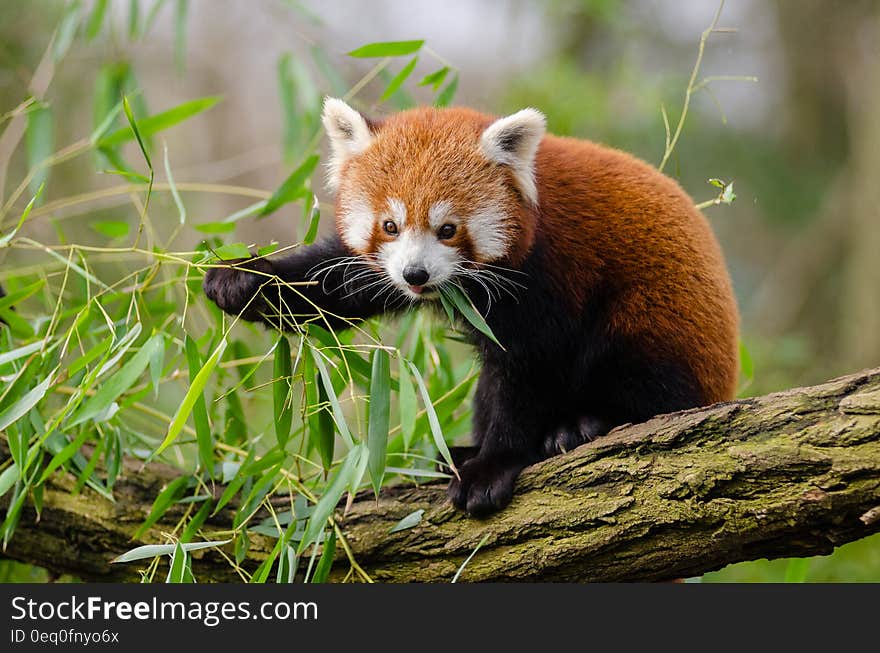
802 144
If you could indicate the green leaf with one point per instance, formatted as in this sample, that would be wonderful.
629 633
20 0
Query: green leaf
436 431
166 497
96 19
24 215
156 361
64 455
435 79
39 144
322 570
66 31
21 352
387 49
265 250
111 228
134 14
180 570
232 251
215 227
26 402
464 564
292 188
411 520
314 221
408 404
89 356
20 328
114 386
327 503
447 94
136 131
448 307
466 308
20 295
200 410
281 390
181 209
380 406
8 478
399 79
180 11
153 550
717 183
321 431
196 387
160 121
338 414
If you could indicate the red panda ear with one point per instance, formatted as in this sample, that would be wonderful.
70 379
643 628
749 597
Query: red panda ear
349 133
513 141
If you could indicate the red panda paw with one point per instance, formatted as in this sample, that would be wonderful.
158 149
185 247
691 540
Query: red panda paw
235 288
485 484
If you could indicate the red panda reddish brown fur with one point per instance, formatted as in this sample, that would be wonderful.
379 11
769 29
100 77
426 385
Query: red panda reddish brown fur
616 302
637 225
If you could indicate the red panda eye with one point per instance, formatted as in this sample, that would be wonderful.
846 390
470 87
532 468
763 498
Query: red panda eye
446 232
390 227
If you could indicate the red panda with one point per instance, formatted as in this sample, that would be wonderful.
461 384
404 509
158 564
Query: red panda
597 274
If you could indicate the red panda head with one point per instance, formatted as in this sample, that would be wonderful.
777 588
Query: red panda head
430 194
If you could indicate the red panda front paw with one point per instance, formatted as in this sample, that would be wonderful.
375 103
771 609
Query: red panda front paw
485 484
235 288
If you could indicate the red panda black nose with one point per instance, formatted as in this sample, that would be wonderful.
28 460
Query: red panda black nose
415 275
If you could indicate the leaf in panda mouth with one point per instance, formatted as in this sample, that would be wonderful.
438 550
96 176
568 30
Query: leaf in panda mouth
464 305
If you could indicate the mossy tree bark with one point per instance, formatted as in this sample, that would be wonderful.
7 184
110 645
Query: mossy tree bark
790 474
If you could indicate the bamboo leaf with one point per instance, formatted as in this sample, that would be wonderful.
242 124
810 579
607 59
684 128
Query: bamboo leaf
327 503
398 80
338 414
192 394
408 404
26 402
411 520
377 425
292 188
322 571
447 94
436 431
39 144
281 390
466 308
153 550
180 571
160 121
435 79
200 410
314 221
232 251
387 49
166 497
114 386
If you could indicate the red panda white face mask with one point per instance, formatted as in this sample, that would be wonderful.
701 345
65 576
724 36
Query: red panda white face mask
431 195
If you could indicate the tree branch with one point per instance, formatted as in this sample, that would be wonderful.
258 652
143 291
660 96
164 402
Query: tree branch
789 474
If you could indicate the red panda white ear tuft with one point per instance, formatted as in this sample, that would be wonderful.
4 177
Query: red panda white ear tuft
349 135
513 141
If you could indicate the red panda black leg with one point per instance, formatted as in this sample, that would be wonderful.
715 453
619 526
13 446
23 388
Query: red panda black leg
343 288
